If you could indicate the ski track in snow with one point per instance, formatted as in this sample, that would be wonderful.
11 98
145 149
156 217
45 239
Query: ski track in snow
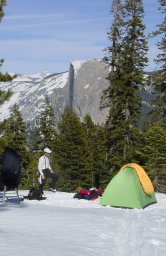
64 226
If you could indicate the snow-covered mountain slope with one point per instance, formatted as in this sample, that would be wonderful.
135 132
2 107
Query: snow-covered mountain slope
88 82
81 87
30 91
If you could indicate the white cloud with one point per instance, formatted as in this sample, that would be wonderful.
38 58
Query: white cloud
34 16
53 23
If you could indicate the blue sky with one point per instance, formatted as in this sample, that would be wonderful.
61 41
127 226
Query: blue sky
45 35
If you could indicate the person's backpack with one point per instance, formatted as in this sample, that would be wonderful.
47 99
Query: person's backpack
91 194
35 194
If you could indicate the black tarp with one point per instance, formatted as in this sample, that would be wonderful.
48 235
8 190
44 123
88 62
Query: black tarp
11 168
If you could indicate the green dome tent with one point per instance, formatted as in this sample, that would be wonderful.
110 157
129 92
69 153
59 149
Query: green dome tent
127 189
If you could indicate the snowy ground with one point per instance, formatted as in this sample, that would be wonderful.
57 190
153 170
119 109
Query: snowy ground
64 226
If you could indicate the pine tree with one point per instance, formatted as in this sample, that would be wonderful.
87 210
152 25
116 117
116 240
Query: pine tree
16 130
6 77
32 171
97 143
125 79
74 158
155 155
159 77
4 140
113 52
46 132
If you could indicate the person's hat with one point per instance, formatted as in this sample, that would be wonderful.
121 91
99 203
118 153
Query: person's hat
47 150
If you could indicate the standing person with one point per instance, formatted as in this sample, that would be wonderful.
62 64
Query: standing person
46 171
